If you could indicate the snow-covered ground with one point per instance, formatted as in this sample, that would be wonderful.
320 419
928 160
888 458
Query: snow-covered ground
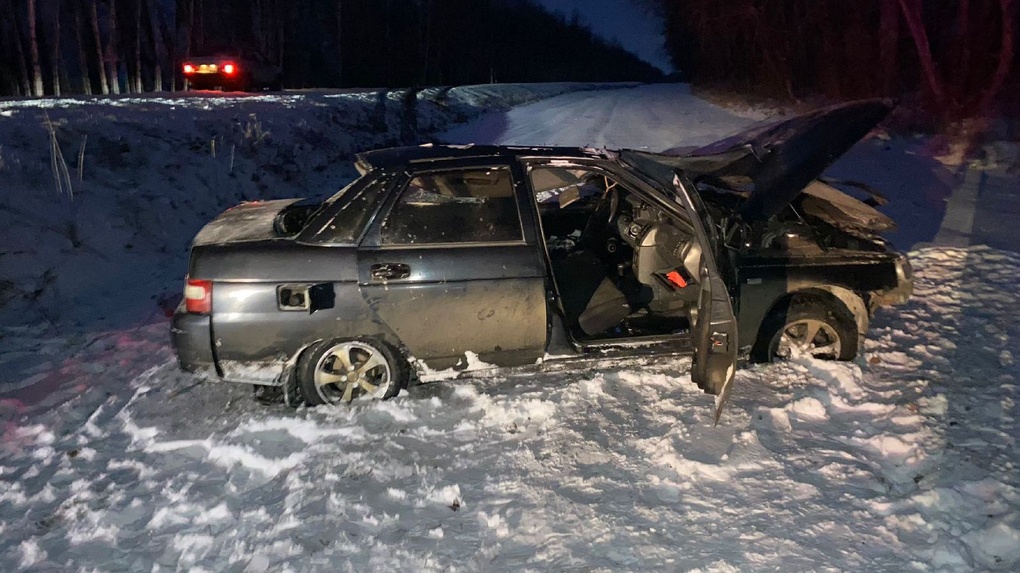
113 460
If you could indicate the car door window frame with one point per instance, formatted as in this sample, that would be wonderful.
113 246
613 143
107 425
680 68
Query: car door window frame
379 186
373 237
630 182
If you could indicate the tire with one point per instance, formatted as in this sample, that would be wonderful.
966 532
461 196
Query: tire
833 334
334 372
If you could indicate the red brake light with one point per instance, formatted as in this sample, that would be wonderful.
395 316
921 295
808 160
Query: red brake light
229 69
198 296
189 69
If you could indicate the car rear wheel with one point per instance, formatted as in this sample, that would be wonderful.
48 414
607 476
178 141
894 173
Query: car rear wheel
811 329
342 371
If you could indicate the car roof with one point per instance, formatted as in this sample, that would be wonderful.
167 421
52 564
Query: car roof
395 158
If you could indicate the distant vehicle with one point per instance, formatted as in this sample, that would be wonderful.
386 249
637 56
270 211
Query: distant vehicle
442 259
232 70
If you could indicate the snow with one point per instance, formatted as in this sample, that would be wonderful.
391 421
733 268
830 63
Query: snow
617 119
112 459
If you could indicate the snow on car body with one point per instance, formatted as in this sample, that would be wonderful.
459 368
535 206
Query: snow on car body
456 257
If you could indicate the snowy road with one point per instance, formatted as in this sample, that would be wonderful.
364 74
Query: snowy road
656 118
903 460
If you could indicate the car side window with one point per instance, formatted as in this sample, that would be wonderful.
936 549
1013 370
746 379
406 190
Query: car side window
464 206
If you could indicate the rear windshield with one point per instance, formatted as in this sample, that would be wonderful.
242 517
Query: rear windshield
342 217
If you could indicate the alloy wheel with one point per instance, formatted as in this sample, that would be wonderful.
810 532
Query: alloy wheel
352 370
811 337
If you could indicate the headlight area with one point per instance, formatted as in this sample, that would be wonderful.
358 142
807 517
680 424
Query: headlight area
903 290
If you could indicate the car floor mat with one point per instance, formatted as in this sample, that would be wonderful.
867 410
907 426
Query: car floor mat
607 308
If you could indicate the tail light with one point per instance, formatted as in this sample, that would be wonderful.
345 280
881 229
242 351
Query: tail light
229 69
198 296
189 69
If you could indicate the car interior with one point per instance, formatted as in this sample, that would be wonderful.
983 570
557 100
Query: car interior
623 268
475 205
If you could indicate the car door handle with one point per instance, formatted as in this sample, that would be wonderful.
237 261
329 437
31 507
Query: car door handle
390 271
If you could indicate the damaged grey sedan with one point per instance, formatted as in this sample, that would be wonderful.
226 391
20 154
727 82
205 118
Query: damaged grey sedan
447 261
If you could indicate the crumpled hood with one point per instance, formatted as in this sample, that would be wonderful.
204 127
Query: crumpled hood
776 162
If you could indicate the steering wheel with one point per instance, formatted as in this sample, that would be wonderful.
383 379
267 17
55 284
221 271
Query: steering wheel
595 231
613 199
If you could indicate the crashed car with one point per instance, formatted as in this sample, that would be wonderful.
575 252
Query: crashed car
232 69
443 260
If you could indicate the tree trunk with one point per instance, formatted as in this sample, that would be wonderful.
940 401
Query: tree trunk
55 53
104 87
912 16
112 58
157 41
83 60
167 43
33 47
961 48
19 52
339 43
198 20
428 44
183 21
1005 54
138 48
281 38
888 42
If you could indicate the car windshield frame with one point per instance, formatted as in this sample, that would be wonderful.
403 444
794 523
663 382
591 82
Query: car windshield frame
671 181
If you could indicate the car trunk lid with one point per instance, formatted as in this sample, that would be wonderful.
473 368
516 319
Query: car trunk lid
251 221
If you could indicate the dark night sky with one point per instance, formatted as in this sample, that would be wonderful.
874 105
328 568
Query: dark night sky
621 20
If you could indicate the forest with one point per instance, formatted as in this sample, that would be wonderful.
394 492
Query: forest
952 58
956 58
59 47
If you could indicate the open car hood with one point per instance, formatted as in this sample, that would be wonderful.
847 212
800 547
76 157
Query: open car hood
775 162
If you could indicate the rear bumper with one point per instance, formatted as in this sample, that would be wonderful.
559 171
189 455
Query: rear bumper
211 81
191 336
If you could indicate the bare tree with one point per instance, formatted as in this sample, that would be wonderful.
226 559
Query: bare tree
55 49
110 55
157 41
1006 54
100 60
913 17
889 39
185 21
83 60
12 31
33 47
136 80
340 41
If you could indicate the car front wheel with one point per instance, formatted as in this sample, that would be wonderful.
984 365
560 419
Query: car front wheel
342 371
809 329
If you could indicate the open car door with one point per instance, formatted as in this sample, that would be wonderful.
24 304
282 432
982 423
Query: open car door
715 327
715 331
715 339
